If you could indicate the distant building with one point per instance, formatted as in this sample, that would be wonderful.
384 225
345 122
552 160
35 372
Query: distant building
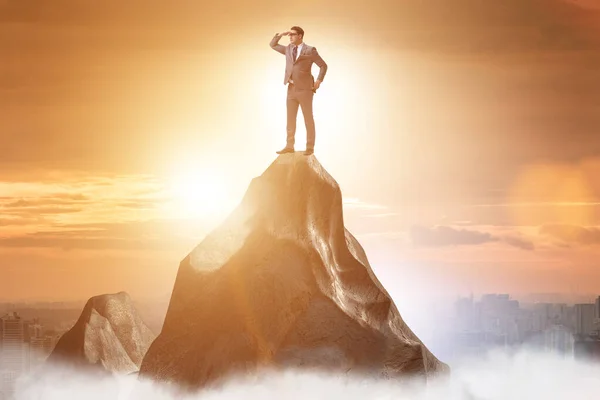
34 330
500 316
14 360
467 314
587 347
584 318
541 316
13 338
524 325
498 321
558 339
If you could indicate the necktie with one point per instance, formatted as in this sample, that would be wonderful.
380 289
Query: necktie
294 52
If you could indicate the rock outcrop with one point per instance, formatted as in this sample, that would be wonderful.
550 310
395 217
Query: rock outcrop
109 335
281 283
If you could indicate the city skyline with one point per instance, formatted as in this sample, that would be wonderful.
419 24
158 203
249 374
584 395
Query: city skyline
466 147
471 328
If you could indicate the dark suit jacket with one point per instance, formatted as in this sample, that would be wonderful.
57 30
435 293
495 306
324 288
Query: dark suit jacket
300 70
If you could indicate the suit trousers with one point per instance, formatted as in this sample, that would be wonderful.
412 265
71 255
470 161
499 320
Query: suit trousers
303 98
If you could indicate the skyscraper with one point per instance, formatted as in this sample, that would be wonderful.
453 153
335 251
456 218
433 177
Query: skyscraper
584 318
13 337
13 350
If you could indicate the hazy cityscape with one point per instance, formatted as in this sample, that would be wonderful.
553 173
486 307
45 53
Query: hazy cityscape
29 332
497 321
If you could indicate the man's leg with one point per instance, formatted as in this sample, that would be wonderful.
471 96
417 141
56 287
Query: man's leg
292 115
306 102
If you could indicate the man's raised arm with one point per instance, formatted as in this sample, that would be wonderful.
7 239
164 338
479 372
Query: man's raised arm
275 43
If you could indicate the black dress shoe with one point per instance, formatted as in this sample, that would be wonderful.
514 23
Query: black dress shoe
308 152
285 150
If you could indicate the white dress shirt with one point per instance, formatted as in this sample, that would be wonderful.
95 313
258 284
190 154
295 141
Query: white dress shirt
299 50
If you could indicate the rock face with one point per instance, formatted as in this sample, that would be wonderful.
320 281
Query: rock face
282 283
109 335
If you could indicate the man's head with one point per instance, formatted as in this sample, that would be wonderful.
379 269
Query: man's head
296 35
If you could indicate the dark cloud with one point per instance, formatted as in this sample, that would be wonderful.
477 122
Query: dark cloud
572 234
447 236
441 236
519 242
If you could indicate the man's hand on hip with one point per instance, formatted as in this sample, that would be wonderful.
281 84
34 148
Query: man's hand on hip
316 84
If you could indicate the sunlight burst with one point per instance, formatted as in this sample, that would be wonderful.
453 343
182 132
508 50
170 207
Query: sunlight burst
195 193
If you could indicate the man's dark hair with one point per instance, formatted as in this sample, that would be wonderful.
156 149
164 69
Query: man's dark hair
299 30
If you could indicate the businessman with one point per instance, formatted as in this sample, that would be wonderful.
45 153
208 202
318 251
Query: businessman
302 86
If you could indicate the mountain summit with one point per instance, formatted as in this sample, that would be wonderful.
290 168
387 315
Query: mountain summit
281 283
109 335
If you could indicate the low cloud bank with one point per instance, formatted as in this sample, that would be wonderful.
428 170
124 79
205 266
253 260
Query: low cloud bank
524 375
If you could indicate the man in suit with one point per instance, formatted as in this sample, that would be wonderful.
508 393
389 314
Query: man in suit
302 86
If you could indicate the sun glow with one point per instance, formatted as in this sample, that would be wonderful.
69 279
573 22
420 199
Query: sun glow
197 193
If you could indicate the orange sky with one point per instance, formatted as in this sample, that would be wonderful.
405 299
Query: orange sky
465 135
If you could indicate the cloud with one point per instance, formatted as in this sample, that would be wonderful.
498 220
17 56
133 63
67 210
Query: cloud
68 243
519 242
20 221
447 236
39 207
34 211
78 198
156 234
31 208
495 376
49 200
440 236
572 234
94 212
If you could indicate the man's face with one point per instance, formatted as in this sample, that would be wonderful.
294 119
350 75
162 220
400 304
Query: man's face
294 37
